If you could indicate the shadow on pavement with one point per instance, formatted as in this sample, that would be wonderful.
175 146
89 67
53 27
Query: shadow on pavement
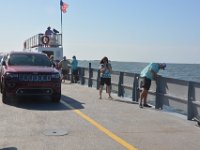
72 102
9 148
45 103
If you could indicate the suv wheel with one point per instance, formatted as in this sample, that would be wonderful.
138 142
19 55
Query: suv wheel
56 98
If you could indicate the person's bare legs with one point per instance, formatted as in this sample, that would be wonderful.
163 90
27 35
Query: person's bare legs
108 88
100 91
143 97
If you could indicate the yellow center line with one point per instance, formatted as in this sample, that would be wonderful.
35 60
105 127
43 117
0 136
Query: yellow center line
101 128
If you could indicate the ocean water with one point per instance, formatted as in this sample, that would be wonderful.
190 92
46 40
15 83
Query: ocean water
188 72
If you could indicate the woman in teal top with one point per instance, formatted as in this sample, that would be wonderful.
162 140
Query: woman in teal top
105 76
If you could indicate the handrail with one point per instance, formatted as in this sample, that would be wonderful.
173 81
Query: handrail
36 41
182 96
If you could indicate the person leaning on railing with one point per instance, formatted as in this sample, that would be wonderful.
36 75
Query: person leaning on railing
149 73
49 33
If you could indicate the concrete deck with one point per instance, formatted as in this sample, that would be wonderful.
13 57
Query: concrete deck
92 123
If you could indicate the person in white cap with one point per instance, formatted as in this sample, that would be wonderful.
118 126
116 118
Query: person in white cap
64 65
150 72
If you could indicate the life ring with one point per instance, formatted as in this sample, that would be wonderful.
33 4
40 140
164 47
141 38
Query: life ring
45 40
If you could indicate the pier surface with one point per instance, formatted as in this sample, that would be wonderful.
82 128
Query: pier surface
81 121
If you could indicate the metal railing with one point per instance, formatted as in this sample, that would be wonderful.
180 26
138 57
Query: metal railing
36 41
181 96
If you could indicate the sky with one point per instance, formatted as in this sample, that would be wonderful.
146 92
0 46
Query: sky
123 30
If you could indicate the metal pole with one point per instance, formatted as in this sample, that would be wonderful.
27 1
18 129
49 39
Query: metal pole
61 3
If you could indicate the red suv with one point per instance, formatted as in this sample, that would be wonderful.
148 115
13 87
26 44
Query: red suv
29 73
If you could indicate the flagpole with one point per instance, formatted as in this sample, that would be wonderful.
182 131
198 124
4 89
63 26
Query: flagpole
63 9
61 26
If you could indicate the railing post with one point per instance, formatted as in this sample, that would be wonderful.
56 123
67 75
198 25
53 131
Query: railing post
71 75
90 76
135 94
120 87
82 73
98 79
191 93
158 101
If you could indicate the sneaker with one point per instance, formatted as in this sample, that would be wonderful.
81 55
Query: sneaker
146 105
110 98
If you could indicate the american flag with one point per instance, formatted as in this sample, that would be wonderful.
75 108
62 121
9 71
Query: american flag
63 6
